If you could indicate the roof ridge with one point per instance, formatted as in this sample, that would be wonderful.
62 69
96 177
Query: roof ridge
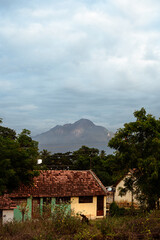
99 181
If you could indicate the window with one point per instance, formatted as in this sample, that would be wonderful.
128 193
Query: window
86 199
47 200
62 200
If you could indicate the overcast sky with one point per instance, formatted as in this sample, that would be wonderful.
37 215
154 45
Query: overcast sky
63 60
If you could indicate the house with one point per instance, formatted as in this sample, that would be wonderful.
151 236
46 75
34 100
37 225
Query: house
7 207
129 198
81 189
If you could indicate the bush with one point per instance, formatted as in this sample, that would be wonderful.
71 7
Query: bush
64 220
88 234
115 210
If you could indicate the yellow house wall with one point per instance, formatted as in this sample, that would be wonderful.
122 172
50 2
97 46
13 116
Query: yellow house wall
88 209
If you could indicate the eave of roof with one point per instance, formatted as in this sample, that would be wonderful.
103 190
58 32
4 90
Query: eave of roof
6 203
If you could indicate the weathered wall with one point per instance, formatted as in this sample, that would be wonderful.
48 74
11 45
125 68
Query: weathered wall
88 209
7 216
124 200
18 213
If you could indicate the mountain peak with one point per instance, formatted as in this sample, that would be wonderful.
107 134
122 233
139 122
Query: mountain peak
72 136
84 122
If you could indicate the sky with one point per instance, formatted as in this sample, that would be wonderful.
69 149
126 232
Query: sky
64 60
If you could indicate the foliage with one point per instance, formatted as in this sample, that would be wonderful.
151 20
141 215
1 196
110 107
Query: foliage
18 156
138 146
127 227
129 185
64 220
106 228
115 210
83 159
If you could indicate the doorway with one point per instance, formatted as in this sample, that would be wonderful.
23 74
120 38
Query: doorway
100 205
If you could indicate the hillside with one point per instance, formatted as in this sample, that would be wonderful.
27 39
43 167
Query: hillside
71 137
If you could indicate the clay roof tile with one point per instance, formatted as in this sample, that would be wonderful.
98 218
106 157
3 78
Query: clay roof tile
6 203
63 183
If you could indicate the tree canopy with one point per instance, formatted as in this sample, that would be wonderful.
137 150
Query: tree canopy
18 158
137 146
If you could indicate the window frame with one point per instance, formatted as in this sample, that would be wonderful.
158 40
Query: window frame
85 199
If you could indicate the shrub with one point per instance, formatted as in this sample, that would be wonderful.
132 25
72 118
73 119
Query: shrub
87 234
115 210
64 220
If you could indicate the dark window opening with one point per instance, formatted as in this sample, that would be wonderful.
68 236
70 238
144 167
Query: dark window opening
35 207
60 200
46 206
86 199
46 200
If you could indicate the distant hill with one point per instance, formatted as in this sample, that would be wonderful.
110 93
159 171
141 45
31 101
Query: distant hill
71 137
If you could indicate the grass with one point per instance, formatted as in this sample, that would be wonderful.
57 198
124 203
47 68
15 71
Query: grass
64 226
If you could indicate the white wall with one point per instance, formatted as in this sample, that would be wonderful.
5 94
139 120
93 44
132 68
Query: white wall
7 216
125 200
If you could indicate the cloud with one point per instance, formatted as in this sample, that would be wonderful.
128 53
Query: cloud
64 60
29 107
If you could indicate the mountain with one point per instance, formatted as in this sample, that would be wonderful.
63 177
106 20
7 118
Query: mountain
71 137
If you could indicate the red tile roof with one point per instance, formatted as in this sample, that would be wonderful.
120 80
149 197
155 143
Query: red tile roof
63 183
6 203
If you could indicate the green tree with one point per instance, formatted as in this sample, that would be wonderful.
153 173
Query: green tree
84 158
45 156
56 161
138 146
18 158
89 158
129 185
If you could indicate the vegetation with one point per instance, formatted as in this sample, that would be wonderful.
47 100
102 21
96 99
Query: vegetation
82 159
115 210
67 227
138 147
18 158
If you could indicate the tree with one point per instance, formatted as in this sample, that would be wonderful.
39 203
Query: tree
129 185
18 158
83 158
45 156
56 161
138 146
